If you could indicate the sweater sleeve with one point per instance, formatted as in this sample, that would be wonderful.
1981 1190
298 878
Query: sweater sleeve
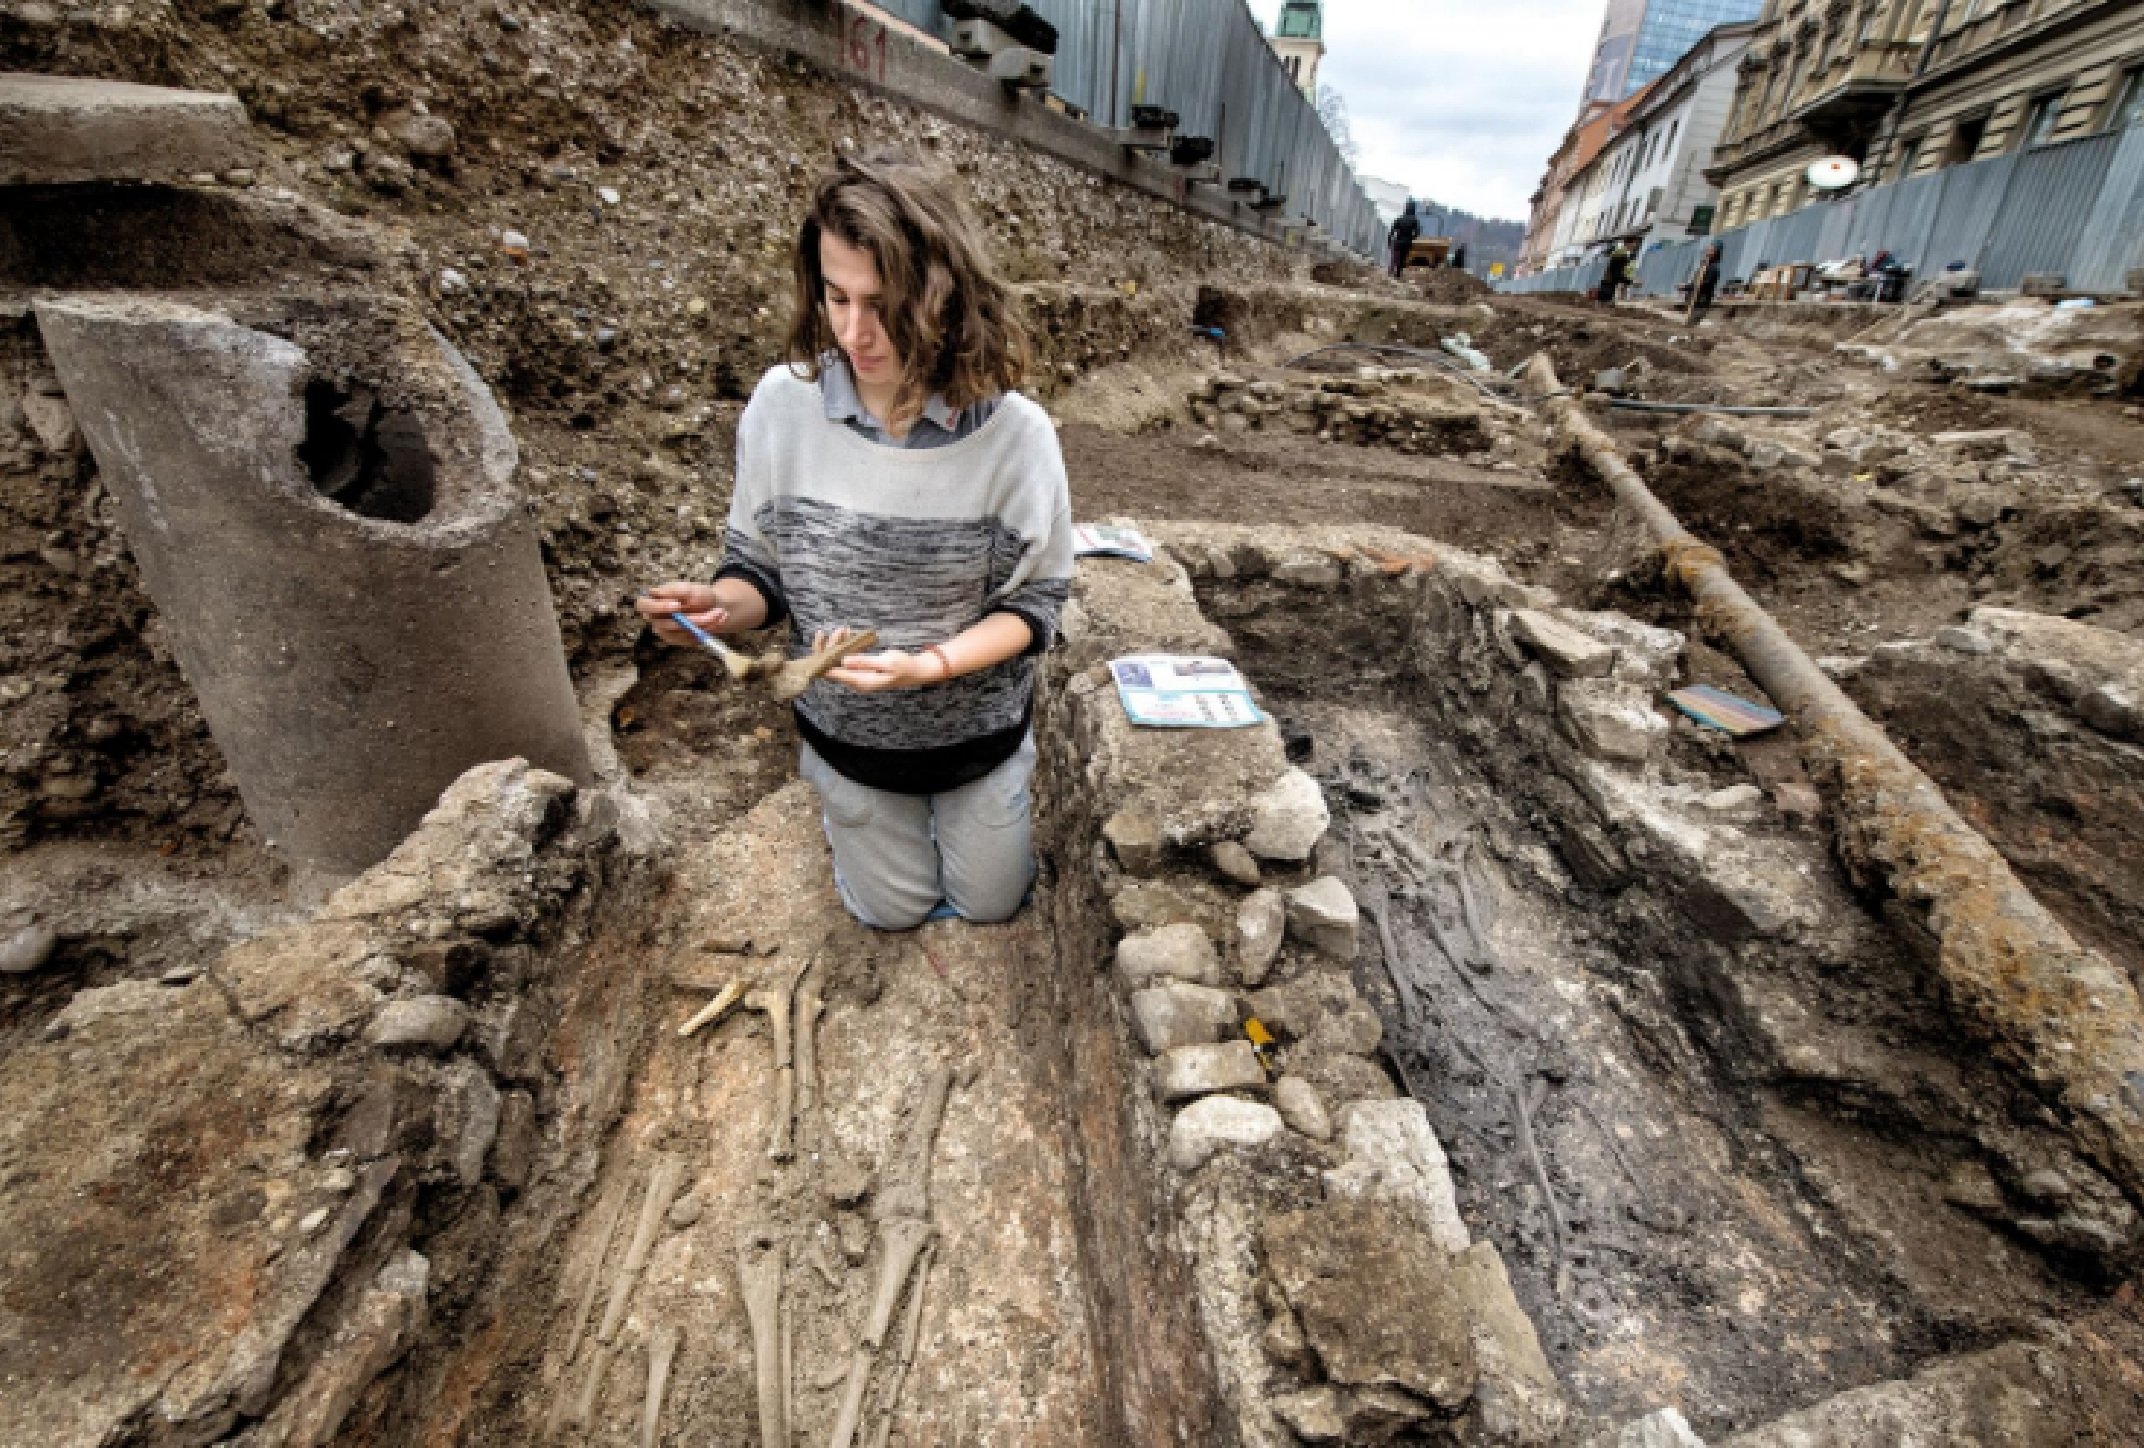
747 553
1041 581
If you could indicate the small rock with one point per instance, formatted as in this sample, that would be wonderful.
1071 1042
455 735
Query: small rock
451 282
1175 952
428 136
2112 710
1190 1071
1172 1015
608 195
1297 1101
1323 915
238 176
312 1221
1734 797
1610 719
1313 1415
1261 922
696 308
1134 837
1798 801
1235 863
1208 1125
514 244
27 949
687 1210
1963 640
2046 1185
425 1023
1851 573
1568 653
1665 1428
1288 819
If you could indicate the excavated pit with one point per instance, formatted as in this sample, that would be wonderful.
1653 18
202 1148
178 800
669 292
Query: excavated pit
1781 1173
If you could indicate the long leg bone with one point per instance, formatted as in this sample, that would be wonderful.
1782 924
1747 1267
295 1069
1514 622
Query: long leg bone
810 1003
911 1333
584 1407
907 1192
662 1352
796 675
662 1187
759 1265
562 1403
717 1008
779 1003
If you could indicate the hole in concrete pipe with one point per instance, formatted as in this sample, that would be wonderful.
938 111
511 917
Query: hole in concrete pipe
369 459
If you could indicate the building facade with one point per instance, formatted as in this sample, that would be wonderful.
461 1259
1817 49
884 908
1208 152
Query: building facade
1906 87
1651 174
1580 145
1299 41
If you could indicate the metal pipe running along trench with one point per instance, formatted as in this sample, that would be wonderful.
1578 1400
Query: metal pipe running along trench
2047 1005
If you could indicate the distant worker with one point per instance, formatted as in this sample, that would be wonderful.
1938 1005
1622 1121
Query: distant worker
1704 283
1615 277
1459 257
1401 238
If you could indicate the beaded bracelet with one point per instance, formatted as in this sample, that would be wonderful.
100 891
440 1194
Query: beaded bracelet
938 652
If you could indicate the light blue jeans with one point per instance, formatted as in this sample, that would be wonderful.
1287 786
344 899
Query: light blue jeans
896 856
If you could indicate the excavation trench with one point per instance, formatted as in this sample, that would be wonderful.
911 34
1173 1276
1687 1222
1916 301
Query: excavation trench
1775 1174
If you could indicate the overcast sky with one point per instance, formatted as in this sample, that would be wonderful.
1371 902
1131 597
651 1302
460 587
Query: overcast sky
1459 100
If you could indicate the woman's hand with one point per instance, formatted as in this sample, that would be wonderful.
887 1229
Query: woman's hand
698 602
881 672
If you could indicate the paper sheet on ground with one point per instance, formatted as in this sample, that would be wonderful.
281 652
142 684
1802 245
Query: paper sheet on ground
1175 691
1111 540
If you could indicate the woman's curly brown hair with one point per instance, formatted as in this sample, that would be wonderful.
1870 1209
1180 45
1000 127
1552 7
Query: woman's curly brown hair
946 311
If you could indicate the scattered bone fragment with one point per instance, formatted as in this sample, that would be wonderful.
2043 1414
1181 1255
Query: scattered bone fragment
717 1008
794 676
662 1188
911 1333
662 1352
811 1002
760 1259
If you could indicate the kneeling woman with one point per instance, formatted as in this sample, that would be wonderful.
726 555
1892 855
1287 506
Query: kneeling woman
889 477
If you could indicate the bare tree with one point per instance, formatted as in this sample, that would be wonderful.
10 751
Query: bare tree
1332 110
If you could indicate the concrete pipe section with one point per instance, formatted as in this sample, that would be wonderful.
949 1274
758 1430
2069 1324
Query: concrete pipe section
321 499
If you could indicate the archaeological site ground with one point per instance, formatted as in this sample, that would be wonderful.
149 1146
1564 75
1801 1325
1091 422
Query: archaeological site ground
426 1016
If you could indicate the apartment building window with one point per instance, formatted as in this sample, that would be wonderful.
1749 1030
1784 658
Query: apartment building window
2128 102
1965 140
1909 157
2041 118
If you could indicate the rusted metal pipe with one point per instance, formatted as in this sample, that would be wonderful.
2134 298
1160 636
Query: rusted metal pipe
2053 1009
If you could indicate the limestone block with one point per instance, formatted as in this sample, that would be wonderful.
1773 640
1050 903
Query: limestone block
1173 952
1518 1401
1174 1014
1288 819
420 1023
1313 1415
1299 1106
1394 1155
1610 719
1568 653
1261 922
64 130
1376 1299
1212 1123
1323 915
1323 1012
1190 1071
1988 444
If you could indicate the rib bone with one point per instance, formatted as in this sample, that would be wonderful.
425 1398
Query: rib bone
662 1351
662 1187
759 1264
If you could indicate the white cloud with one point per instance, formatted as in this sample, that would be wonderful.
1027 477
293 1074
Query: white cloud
1458 101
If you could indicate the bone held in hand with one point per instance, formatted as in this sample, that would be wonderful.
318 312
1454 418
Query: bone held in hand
795 676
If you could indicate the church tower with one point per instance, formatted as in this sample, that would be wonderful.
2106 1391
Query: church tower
1299 41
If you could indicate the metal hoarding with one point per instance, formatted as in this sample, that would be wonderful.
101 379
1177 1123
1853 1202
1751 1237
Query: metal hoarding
2042 218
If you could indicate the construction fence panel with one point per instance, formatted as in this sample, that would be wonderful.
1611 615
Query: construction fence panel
1209 61
1909 221
1967 214
2113 242
2052 190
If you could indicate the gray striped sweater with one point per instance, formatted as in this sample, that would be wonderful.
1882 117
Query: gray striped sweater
918 544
